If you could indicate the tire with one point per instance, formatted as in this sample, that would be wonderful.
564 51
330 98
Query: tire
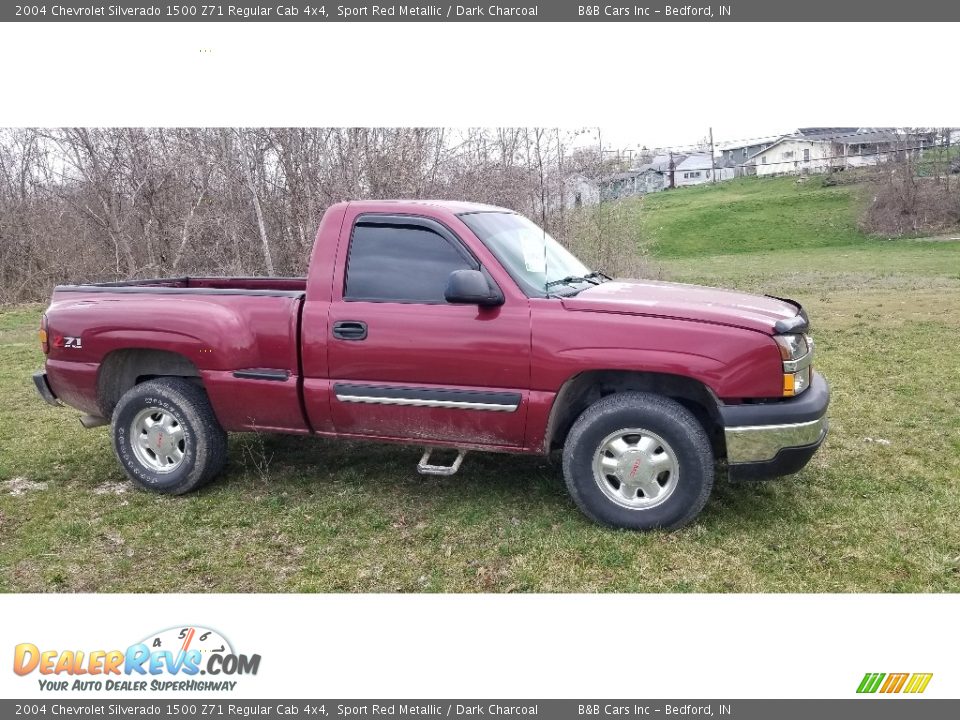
655 445
178 447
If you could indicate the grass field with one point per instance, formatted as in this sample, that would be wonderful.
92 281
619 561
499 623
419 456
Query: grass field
875 511
750 216
937 160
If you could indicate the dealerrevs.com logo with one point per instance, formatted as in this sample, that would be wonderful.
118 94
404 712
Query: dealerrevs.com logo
179 658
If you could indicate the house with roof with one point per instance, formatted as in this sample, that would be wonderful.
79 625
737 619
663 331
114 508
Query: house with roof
650 177
643 180
620 185
579 190
695 169
727 168
658 174
702 167
818 150
738 155
664 161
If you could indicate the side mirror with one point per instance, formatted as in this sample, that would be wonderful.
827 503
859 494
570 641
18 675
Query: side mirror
470 287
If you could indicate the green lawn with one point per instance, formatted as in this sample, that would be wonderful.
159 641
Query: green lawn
937 160
864 516
748 216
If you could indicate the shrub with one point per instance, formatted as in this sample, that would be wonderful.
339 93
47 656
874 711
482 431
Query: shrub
904 204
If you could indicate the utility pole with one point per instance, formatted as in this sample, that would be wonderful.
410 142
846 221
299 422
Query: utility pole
713 162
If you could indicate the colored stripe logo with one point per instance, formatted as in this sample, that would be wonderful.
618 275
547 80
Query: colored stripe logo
894 683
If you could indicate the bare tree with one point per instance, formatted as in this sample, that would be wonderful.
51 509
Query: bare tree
83 204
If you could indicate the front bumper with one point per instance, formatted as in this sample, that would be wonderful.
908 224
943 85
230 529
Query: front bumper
43 387
778 438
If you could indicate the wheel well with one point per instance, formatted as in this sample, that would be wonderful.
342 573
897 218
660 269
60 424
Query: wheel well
582 390
122 369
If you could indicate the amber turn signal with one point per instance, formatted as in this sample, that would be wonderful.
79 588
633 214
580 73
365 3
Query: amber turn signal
44 338
788 385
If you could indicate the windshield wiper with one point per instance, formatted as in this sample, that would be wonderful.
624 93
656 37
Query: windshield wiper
568 280
591 278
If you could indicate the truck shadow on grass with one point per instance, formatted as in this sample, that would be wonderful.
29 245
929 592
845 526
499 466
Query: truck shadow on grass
485 484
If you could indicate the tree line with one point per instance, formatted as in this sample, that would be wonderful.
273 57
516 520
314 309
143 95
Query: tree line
98 204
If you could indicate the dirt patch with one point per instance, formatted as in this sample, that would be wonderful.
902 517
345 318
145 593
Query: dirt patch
939 238
21 486
111 488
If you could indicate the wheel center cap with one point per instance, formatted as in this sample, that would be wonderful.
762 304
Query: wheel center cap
630 464
157 439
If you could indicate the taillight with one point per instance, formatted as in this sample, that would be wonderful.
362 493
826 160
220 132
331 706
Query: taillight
44 338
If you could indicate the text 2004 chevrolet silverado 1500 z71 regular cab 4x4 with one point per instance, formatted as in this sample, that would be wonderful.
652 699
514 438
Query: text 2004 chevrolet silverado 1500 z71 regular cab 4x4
447 324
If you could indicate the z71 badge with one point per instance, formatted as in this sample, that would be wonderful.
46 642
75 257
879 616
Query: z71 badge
65 341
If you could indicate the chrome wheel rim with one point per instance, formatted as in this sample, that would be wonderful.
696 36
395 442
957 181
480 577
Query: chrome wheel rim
636 469
158 439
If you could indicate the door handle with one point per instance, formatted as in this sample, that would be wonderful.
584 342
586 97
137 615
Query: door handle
350 330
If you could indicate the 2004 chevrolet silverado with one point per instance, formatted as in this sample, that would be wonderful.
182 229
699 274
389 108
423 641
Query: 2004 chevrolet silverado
447 324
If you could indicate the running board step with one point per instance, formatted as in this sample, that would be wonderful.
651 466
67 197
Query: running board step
425 468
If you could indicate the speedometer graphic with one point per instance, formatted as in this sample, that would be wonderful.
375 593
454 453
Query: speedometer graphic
191 637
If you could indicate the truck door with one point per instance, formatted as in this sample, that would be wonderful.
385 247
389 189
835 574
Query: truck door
405 364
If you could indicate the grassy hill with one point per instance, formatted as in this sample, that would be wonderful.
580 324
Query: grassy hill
750 215
775 236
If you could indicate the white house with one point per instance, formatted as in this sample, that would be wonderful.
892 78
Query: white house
737 155
817 150
793 155
580 190
637 181
696 169
699 168
662 162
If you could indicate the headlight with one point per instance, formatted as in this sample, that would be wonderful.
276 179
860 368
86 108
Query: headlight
792 347
797 354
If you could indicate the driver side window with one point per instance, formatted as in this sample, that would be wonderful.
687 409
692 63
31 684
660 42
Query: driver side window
400 263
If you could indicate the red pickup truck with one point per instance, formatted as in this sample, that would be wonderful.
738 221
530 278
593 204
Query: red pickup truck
447 325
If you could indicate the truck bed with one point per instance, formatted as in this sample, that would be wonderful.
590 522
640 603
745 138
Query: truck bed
240 335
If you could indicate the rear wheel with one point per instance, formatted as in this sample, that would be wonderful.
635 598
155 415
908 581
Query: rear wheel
166 436
639 461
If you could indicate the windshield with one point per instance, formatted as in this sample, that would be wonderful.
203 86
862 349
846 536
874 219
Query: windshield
539 264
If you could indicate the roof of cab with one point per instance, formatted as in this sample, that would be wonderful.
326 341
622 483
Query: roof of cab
456 207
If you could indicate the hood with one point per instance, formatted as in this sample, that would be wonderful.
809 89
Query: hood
685 302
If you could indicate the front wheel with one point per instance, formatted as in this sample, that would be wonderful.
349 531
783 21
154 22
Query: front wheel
639 461
166 436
